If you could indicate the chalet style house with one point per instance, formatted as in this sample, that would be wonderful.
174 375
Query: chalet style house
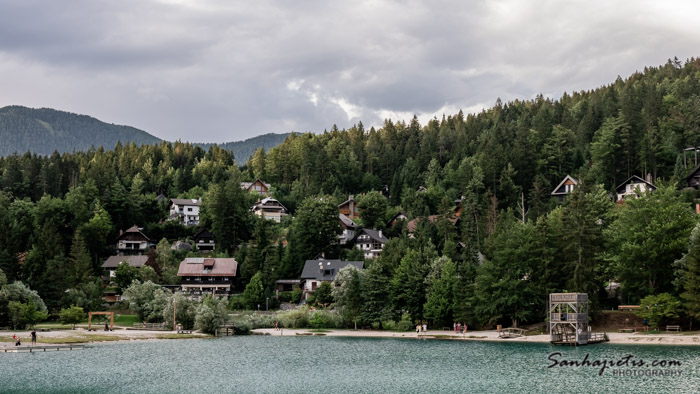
110 265
185 210
564 188
204 241
203 275
349 208
133 241
256 186
322 270
349 228
269 208
370 242
632 188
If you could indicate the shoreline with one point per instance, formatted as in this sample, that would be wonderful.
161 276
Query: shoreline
485 336
82 336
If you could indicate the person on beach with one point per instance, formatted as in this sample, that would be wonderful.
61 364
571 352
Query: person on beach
19 341
277 325
425 328
33 337
418 329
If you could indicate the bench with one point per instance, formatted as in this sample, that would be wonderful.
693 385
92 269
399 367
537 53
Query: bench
644 328
626 330
184 331
673 328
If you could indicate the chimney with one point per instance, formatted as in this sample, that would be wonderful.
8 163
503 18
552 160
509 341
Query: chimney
648 177
380 234
320 266
697 209
121 232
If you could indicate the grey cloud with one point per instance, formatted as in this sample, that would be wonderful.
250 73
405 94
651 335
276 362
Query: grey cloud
219 70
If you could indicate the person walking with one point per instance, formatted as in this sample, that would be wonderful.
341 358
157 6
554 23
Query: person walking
33 337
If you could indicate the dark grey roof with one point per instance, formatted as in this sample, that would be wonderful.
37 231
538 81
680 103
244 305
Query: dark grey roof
134 261
374 234
347 221
204 233
330 268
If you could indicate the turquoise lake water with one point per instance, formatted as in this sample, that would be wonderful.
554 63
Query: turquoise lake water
257 364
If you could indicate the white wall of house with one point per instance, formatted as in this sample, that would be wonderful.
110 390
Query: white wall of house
189 214
630 190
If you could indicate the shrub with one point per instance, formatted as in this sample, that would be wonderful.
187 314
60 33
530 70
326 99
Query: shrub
404 325
296 295
211 314
241 328
285 296
320 320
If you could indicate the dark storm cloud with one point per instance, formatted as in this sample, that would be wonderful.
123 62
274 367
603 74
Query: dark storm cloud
221 70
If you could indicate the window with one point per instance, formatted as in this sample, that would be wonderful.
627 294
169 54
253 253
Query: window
189 209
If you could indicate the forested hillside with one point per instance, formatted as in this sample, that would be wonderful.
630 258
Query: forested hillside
243 150
44 130
489 243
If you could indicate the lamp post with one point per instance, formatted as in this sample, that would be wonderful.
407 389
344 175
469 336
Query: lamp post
267 305
174 313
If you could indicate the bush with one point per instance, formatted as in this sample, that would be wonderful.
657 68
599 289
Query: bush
296 295
285 296
294 319
320 320
241 328
404 325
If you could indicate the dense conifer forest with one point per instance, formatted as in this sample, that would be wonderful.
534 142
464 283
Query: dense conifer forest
489 243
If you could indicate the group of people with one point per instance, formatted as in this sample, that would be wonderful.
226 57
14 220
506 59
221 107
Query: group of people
421 328
459 327
18 339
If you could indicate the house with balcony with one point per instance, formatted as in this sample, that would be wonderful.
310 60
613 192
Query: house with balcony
204 241
633 188
185 210
370 242
133 242
257 186
317 271
204 275
349 208
269 208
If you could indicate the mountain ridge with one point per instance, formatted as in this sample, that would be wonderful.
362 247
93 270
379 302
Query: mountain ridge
46 130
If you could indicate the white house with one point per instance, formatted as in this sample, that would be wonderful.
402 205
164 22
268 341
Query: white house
633 187
185 210
370 242
257 186
269 208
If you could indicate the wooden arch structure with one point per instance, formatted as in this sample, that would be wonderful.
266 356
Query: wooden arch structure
111 314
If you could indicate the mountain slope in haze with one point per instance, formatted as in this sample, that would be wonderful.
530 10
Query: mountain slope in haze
44 130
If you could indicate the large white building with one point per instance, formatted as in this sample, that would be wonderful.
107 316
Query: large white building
185 210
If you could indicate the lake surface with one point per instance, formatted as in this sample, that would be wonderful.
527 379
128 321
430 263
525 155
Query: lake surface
257 364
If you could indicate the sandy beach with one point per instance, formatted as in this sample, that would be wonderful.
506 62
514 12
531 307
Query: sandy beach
81 335
491 335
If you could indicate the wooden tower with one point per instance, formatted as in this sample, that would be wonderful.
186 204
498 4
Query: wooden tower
568 318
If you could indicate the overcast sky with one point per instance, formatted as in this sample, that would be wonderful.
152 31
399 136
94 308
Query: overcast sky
215 71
